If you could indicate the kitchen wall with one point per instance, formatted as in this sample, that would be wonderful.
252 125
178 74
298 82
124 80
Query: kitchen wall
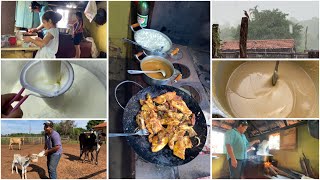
291 158
119 13
98 32
8 9
185 23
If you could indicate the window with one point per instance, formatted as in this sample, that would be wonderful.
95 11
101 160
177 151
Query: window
217 142
274 141
63 23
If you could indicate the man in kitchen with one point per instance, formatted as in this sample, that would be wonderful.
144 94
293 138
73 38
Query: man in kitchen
41 9
237 147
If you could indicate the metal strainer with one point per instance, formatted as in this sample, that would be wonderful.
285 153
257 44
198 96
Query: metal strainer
34 67
29 71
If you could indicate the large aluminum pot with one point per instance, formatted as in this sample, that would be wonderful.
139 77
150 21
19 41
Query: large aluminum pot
265 158
152 81
148 49
222 70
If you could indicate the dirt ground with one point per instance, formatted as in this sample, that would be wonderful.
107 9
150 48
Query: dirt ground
69 167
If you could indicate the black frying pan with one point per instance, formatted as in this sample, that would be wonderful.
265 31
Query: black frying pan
141 145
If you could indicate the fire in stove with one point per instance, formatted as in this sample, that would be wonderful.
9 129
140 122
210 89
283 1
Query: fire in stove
271 170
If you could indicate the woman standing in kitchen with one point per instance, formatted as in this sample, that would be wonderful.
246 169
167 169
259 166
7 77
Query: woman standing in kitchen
78 34
40 9
50 43
237 147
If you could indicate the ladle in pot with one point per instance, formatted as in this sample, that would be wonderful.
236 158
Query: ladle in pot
145 72
275 75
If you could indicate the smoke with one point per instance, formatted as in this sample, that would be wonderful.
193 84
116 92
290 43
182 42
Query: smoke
263 148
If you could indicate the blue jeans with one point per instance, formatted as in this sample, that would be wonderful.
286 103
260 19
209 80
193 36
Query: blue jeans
236 173
52 163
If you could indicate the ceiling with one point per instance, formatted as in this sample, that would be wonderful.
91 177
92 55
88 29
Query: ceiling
257 127
80 4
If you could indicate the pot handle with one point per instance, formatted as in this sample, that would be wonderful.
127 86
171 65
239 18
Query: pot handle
177 75
175 51
116 89
137 56
135 26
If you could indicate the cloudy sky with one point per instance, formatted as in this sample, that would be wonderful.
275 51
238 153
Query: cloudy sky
230 12
34 126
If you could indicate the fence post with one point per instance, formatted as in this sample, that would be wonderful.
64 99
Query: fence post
243 37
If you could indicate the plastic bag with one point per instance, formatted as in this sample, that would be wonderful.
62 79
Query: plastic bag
91 10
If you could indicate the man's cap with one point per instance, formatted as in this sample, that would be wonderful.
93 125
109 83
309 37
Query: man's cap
243 123
48 123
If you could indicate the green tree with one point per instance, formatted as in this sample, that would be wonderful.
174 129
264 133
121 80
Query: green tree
271 24
65 128
92 123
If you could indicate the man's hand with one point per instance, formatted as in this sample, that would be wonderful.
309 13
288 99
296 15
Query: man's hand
256 141
46 152
234 163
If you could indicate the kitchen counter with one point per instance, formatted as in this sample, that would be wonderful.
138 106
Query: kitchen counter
20 48
9 51
18 51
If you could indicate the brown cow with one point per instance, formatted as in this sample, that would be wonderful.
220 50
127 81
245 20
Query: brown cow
16 140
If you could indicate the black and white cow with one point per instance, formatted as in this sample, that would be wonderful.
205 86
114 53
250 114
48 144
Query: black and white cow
90 143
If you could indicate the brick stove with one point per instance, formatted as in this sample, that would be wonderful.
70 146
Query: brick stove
192 83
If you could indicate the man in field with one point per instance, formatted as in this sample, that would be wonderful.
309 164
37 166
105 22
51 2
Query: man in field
53 148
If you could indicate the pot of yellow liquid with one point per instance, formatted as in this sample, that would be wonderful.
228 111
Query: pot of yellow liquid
244 89
155 63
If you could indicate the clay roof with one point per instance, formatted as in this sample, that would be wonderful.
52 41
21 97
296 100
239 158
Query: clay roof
102 125
260 44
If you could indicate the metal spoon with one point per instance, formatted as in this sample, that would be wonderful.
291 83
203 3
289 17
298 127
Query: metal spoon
275 75
141 132
144 72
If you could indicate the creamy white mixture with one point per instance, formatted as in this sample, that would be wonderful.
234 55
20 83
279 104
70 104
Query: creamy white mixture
85 99
152 40
250 93
52 71
49 77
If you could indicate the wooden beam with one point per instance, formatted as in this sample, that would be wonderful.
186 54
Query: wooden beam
285 122
284 128
243 37
254 127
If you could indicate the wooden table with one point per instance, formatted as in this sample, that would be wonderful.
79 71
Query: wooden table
20 48
18 51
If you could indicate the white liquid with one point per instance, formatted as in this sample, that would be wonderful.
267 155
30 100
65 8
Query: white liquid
250 93
52 71
85 99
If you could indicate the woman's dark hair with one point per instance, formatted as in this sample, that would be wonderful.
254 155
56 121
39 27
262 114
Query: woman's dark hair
79 14
54 16
35 5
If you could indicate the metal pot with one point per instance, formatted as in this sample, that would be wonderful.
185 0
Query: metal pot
222 70
265 158
152 81
147 50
